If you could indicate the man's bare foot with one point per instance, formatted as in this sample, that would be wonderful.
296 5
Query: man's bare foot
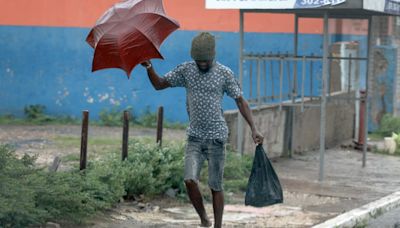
206 223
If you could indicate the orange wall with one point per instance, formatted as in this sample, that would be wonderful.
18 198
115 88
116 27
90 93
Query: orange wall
191 14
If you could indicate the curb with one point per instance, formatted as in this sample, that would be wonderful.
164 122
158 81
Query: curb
363 214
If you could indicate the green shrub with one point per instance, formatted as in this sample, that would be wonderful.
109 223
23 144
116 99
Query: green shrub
104 181
151 170
63 197
237 171
389 124
33 196
19 179
35 113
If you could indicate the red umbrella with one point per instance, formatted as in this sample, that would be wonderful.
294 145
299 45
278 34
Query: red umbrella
129 33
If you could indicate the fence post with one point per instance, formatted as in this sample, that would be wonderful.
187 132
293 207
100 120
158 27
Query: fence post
125 135
160 125
84 139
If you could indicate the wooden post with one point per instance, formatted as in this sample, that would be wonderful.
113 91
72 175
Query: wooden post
160 125
55 165
125 135
84 139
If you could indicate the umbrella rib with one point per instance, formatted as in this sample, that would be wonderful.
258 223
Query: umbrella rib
148 39
162 15
145 36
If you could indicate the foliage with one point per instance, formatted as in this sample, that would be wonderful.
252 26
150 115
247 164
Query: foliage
237 171
35 113
114 116
152 170
18 180
148 119
389 124
396 138
33 196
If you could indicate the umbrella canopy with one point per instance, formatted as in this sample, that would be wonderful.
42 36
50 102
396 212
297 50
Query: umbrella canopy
129 33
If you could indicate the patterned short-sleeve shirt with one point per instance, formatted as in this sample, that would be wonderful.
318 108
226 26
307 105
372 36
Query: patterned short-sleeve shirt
204 93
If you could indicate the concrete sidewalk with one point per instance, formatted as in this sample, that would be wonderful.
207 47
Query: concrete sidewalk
361 193
307 203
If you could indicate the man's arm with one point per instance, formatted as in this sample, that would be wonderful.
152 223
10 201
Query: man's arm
158 82
246 113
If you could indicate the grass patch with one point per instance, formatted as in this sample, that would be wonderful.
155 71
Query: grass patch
375 136
71 141
71 158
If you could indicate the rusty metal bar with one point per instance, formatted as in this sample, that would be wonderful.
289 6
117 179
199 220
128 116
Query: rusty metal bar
160 119
125 135
84 140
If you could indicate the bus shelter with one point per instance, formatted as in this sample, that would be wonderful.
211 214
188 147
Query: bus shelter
325 10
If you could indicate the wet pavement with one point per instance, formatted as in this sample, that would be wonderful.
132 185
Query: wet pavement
307 201
390 219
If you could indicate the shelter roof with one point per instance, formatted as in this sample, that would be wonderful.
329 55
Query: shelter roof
313 8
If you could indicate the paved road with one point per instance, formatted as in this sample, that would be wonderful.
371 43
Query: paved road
390 219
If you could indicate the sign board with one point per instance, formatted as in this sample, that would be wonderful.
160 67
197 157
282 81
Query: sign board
392 6
269 4
387 6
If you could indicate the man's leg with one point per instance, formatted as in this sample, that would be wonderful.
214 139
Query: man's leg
218 206
194 159
197 200
216 152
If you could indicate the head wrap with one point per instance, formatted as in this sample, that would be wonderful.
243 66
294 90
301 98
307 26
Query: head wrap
203 47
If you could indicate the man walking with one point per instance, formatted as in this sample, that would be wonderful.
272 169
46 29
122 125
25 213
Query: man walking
205 81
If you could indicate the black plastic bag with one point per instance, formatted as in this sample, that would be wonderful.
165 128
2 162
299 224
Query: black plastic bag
263 188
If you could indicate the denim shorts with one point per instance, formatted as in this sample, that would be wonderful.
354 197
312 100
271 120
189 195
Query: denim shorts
197 151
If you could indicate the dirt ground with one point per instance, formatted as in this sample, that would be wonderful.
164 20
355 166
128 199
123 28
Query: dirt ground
50 141
306 201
